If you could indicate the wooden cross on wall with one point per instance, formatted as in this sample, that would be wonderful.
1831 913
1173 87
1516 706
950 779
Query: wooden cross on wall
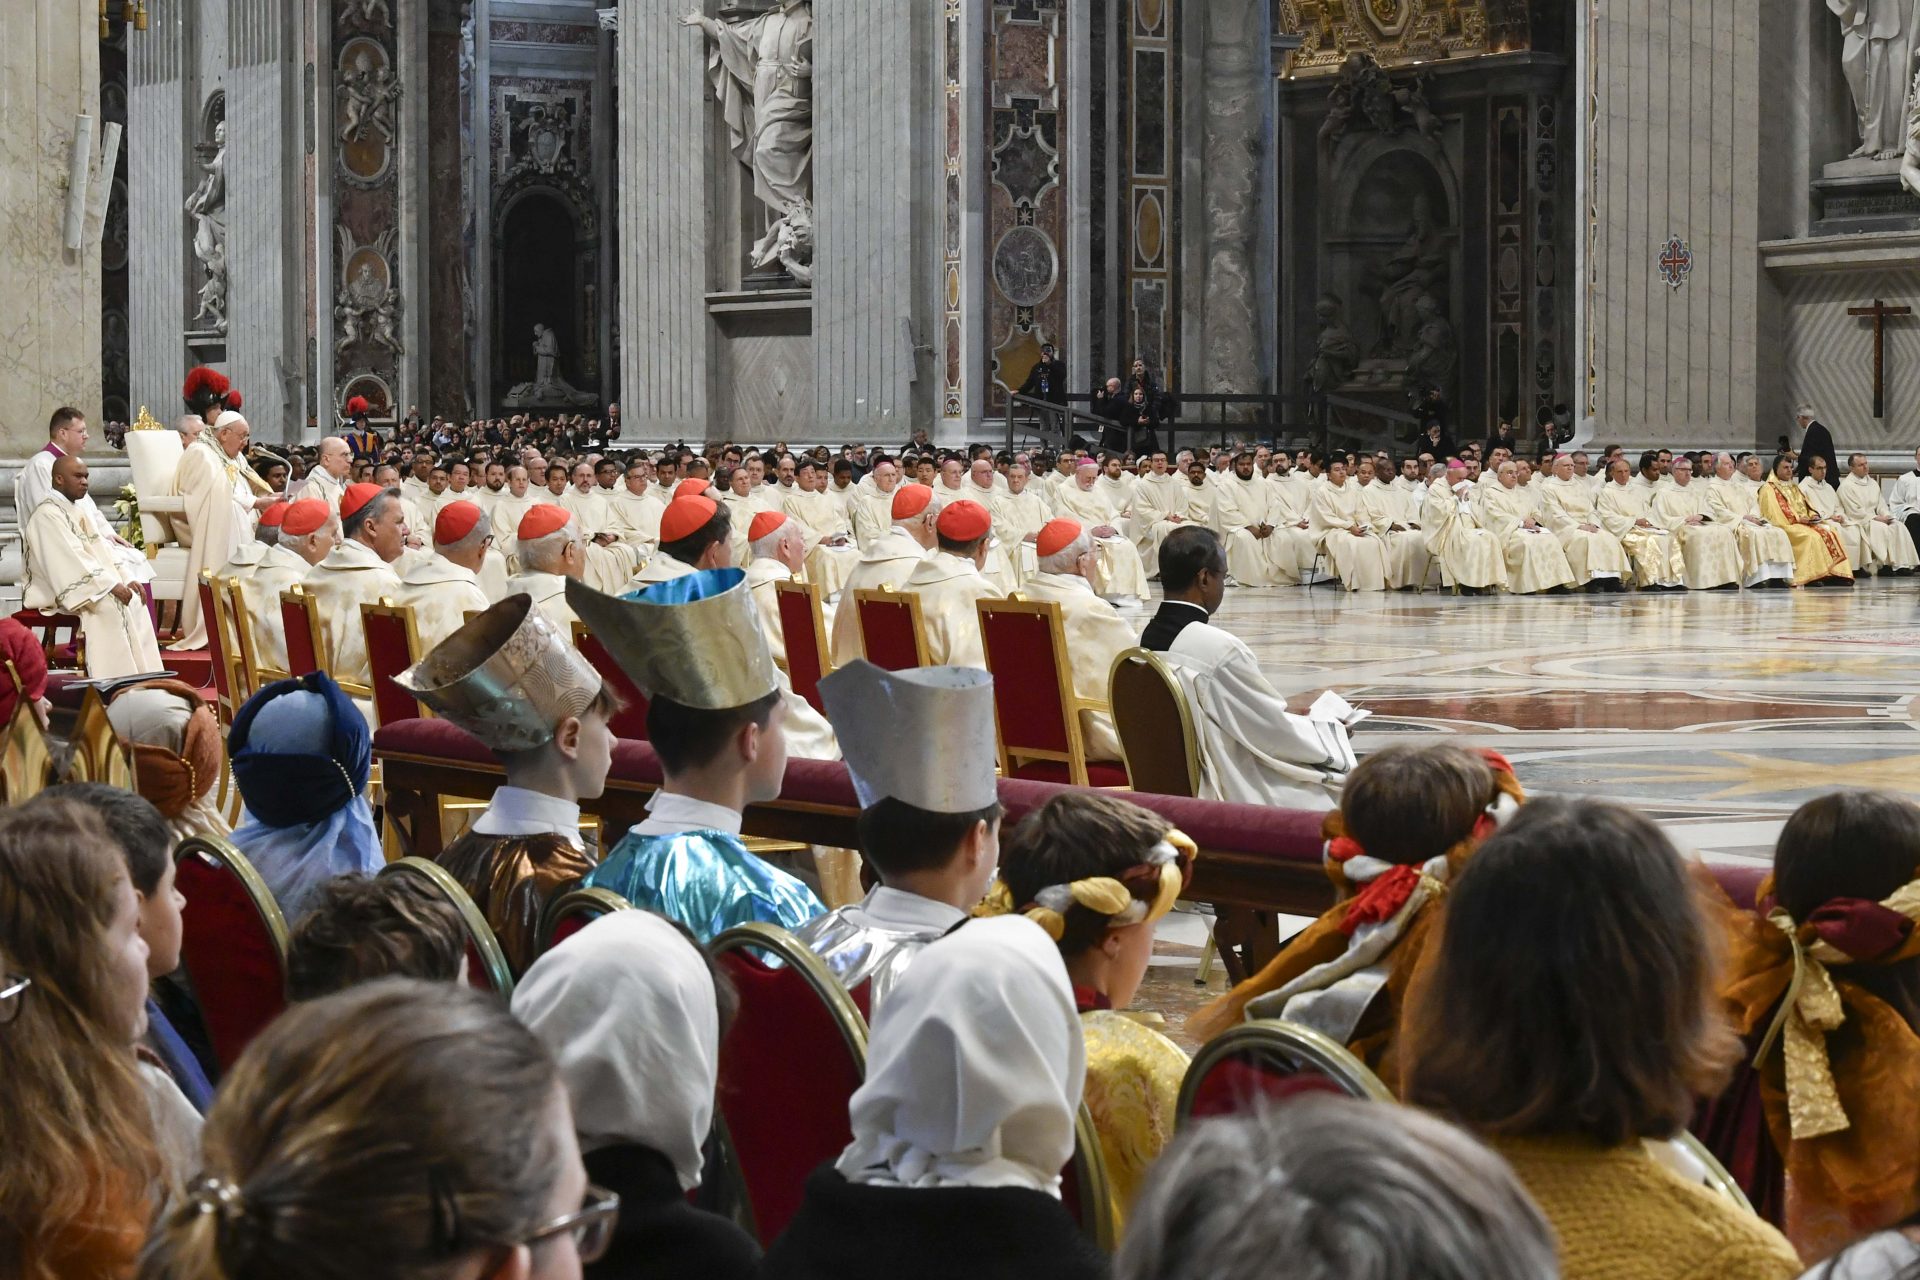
1880 311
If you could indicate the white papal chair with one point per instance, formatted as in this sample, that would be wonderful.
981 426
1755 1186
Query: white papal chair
154 451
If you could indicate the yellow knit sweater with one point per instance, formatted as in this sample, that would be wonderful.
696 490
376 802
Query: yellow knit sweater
1622 1216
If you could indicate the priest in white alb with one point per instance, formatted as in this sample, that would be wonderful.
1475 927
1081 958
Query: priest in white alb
1404 543
1018 512
1262 550
71 569
1890 547
871 507
308 532
949 581
1471 558
67 433
888 561
1570 508
634 510
443 588
1535 561
1096 634
1903 499
1339 526
1708 546
1817 486
610 562
221 506
1155 493
823 523
1118 571
1626 511
1766 554
327 481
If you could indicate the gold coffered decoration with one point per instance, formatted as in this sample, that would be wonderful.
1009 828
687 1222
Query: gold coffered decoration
1396 33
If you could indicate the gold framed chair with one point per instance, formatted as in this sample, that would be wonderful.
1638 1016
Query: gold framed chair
803 627
233 943
573 911
1155 725
300 626
1268 1058
257 677
230 675
26 759
97 754
487 967
893 632
393 645
1086 1188
1036 712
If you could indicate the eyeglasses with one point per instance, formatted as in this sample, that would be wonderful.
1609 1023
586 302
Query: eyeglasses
13 988
591 1227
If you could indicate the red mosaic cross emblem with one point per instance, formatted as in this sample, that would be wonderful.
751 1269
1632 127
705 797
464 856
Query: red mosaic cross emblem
1676 261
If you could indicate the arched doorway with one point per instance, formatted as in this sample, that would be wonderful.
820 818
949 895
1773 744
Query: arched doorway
535 271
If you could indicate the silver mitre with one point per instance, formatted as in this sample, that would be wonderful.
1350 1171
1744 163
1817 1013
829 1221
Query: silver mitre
923 736
508 677
695 640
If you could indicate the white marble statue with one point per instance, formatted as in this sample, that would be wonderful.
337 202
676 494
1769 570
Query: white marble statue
1876 56
762 73
208 205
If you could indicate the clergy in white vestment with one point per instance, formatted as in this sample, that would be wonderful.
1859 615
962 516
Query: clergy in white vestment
1625 510
1825 501
1890 547
823 523
1155 493
71 569
493 487
887 562
1535 561
1569 508
1096 634
1405 546
951 483
634 511
445 587
358 571
872 508
328 479
1253 750
778 546
1903 499
1193 502
266 532
1339 527
1262 549
743 499
67 433
949 581
1118 571
1470 556
220 510
1019 512
552 548
1709 547
989 488
1116 483
509 510
610 562
308 532
1766 554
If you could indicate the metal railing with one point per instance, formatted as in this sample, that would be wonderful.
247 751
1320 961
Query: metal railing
1219 418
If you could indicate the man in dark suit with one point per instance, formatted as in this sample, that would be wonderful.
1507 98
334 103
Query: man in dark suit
1816 442
1048 381
1193 576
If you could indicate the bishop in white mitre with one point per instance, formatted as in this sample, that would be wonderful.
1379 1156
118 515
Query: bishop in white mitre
1118 574
71 569
1889 546
1570 509
1708 546
220 509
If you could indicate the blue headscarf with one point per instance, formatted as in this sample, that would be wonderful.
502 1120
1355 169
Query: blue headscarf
301 755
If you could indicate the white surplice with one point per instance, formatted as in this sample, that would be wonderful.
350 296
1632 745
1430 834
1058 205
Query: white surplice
947 586
351 575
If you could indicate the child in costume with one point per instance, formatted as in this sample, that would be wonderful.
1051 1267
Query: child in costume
513 681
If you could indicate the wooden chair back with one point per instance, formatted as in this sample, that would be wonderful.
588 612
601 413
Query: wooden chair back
803 627
1034 709
893 635
1155 725
300 625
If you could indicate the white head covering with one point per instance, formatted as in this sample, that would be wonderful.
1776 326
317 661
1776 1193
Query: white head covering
975 1067
226 419
626 1007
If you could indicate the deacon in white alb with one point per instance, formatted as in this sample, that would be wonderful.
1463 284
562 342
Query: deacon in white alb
71 569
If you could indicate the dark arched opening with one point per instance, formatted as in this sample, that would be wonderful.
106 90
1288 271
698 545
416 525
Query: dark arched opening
537 286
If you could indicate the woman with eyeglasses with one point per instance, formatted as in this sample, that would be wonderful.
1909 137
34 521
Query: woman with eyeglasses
400 1130
79 1170
634 1014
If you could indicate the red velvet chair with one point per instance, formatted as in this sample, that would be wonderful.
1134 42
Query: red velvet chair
573 911
788 1068
631 720
234 943
892 634
1270 1060
487 968
803 628
301 627
393 645
50 628
1035 710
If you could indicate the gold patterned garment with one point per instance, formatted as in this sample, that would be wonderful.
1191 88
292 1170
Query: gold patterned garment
1817 550
511 879
1133 1086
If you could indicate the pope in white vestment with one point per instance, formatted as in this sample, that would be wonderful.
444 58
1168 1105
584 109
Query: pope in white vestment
1340 527
1535 561
887 562
1095 632
1118 573
71 569
1708 546
1889 545
220 507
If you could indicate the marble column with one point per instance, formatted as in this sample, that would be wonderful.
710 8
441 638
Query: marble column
668 186
1234 135
411 272
265 292
874 197
156 141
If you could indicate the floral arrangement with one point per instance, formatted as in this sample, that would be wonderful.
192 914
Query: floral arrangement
128 509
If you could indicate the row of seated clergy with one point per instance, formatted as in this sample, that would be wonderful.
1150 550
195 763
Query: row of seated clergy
1857 510
1003 563
826 527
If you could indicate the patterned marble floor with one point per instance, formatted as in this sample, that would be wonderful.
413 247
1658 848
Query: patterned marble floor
1716 713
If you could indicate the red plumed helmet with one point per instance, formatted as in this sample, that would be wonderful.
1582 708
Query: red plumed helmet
233 401
202 381
356 406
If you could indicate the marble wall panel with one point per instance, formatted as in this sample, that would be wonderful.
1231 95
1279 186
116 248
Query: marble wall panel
1026 199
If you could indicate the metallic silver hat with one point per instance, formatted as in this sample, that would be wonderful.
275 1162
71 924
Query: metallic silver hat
945 712
695 640
508 677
